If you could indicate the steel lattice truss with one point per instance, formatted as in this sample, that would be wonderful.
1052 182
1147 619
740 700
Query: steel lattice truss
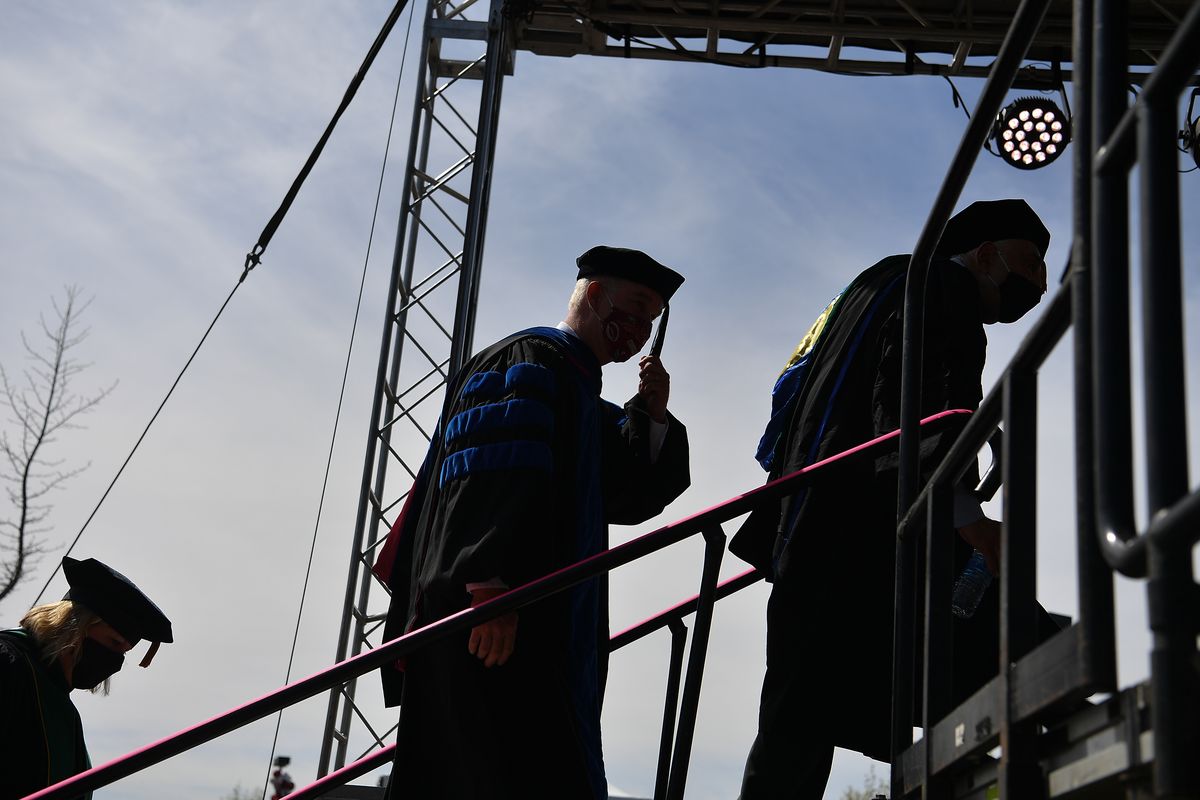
467 49
854 37
430 314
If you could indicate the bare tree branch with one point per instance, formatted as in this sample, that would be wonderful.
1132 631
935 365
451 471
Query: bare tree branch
41 405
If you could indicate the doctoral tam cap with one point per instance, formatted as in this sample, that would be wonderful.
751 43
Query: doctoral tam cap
117 601
993 221
633 265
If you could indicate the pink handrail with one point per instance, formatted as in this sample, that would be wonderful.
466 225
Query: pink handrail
566 577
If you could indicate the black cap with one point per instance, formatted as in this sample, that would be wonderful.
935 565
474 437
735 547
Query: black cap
633 265
117 601
992 221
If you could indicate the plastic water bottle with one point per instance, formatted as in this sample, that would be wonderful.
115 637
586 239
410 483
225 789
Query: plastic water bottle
971 586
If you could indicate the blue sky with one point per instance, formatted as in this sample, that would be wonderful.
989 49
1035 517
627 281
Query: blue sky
146 144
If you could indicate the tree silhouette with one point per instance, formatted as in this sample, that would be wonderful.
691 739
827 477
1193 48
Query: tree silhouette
873 787
42 403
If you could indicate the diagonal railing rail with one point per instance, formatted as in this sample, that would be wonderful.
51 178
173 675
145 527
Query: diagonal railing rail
671 618
706 523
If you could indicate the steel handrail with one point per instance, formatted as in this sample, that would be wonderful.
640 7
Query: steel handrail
1025 23
663 619
341 777
1124 548
680 610
700 523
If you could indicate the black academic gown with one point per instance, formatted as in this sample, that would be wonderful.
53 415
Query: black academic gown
526 469
831 549
41 736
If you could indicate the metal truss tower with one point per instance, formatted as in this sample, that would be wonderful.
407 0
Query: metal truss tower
429 326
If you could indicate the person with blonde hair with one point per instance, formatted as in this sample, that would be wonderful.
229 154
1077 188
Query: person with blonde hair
78 642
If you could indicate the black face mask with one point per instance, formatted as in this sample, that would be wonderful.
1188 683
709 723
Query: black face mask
1018 295
95 664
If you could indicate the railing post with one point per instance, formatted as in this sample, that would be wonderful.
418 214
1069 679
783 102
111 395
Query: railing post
1024 27
903 650
1110 286
938 673
671 704
1020 775
714 549
1173 703
1097 626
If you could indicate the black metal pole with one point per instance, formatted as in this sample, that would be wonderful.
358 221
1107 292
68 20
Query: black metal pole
1097 621
1176 69
671 704
937 695
1114 126
1174 706
496 86
903 651
1025 25
1110 300
481 184
714 549
1019 772
1016 42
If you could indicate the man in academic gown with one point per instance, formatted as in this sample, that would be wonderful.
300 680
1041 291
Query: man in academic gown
830 550
76 643
527 467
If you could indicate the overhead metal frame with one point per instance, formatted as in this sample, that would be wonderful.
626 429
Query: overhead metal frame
851 37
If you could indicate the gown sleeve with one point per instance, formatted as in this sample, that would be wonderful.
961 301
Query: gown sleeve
955 348
23 744
495 477
637 486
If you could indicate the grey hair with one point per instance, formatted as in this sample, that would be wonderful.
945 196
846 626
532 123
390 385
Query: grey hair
608 282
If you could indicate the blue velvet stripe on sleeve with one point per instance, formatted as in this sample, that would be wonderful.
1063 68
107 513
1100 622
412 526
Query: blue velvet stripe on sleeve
529 415
487 385
497 457
503 434
526 378
617 412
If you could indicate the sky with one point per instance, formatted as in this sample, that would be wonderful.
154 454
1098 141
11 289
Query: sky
144 145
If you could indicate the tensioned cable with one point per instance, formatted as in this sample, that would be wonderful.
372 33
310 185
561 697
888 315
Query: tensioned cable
341 394
145 430
253 258
265 237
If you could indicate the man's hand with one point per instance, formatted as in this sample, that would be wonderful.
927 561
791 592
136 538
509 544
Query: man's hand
493 641
654 386
984 535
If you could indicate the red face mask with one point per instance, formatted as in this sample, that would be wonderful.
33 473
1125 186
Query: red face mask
624 333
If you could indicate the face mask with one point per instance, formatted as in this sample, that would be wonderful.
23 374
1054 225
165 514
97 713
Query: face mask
1018 295
624 333
95 664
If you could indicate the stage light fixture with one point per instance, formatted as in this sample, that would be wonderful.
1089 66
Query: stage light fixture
1189 137
1030 132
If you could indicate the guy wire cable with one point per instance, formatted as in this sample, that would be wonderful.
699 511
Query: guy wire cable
341 395
253 258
